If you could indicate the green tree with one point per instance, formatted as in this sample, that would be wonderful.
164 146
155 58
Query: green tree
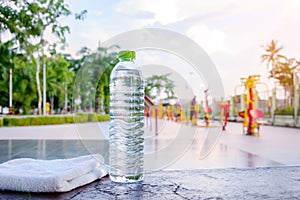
23 78
6 55
59 79
108 61
23 84
157 84
27 21
95 68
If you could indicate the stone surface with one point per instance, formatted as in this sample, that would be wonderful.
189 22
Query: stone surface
252 183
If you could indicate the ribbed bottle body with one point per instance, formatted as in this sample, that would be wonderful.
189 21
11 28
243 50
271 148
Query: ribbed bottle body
126 131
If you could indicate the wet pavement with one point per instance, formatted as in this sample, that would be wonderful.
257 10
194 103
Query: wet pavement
182 162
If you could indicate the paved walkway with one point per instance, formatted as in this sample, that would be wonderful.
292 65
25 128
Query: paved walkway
178 146
182 162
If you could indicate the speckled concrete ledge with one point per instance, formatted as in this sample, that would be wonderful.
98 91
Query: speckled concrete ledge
254 183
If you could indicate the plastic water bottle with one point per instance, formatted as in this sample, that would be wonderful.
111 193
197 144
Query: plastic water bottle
126 131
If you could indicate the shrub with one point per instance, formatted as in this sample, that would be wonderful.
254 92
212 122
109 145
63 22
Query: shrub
69 119
11 121
80 118
92 117
101 118
286 111
37 120
52 119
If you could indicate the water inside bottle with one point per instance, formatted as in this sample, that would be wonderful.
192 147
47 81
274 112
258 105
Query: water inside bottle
126 125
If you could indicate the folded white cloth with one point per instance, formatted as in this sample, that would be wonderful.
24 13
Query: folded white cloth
61 175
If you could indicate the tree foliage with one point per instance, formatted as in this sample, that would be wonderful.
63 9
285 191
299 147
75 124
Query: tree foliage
25 49
95 68
281 68
26 20
24 24
158 84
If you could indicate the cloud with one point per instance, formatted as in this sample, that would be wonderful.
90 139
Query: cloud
230 31
164 12
171 11
211 40
191 8
99 13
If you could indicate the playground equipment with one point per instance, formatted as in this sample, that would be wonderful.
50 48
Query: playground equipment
179 115
251 115
195 114
224 113
151 111
206 109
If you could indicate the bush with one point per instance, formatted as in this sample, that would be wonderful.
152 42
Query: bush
37 120
81 118
52 119
286 111
69 119
12 121
101 118
92 117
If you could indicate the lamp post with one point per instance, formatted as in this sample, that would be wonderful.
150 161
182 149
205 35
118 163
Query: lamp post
10 91
44 89
66 95
296 96
273 98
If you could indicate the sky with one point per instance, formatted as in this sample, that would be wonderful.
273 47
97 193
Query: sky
231 32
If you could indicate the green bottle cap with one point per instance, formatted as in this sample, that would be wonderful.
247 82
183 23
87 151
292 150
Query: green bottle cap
126 55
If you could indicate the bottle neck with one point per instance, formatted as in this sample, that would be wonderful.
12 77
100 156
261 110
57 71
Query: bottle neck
126 59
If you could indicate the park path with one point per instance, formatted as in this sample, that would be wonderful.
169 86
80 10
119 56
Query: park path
177 145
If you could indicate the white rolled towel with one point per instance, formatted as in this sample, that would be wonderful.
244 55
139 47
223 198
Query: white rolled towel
60 175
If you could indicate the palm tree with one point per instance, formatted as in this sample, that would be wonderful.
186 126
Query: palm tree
272 56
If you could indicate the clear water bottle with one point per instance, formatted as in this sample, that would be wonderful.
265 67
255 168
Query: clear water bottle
126 131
